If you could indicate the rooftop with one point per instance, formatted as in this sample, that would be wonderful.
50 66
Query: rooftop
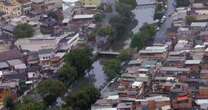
192 62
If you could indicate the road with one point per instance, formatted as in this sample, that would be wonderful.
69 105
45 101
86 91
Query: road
161 36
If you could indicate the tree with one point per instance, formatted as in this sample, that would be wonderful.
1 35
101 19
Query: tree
80 59
119 25
125 54
23 31
66 108
137 42
99 17
144 36
105 31
132 3
84 98
112 68
68 74
51 89
8 103
31 106
122 22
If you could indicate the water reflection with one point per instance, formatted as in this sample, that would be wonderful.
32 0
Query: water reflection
97 74
144 13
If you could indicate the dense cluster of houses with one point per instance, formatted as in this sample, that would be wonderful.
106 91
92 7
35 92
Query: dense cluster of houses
25 61
167 76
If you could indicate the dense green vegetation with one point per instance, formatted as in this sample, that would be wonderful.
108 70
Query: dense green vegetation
80 59
122 22
83 99
29 104
131 3
50 90
23 31
9 103
68 74
125 54
105 31
99 17
78 62
112 68
144 37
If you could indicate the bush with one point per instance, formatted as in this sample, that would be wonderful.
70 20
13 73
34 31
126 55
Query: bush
23 31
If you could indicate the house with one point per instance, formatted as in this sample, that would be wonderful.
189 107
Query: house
154 53
175 61
52 5
125 106
45 56
182 102
13 75
203 103
69 9
204 35
33 76
184 33
194 65
198 25
173 71
5 46
48 25
8 29
181 44
68 43
4 66
11 54
83 17
17 64
26 6
108 103
203 92
38 6
42 6
152 103
37 43
11 8
90 3
32 58
204 74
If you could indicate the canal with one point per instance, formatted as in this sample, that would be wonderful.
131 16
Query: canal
98 74
144 13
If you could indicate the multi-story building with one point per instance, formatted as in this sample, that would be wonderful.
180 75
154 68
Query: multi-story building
40 6
26 6
90 3
11 8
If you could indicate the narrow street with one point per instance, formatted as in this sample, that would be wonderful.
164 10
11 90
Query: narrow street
161 34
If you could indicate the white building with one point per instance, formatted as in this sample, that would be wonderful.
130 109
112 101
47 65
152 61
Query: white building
68 9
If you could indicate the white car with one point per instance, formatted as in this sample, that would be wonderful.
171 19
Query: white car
164 17
158 28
